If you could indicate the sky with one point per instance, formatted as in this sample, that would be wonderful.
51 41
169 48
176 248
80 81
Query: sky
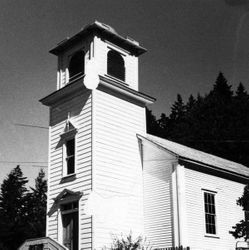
188 43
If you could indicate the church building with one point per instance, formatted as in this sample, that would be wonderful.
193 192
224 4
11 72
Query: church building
107 177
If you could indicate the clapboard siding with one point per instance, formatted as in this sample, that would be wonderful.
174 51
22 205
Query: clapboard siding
157 171
228 213
117 164
52 226
80 108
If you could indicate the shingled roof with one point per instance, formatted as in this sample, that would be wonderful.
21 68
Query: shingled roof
187 153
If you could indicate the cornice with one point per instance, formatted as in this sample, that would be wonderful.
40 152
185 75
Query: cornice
109 84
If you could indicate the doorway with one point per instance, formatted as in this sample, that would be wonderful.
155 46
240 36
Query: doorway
70 222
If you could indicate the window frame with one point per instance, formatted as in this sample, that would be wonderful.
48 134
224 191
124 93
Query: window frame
214 194
79 74
67 136
111 50
67 157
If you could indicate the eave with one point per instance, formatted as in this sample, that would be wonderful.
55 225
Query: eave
106 83
196 165
71 88
123 89
99 28
200 166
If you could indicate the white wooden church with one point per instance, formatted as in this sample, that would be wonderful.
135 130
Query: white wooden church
107 176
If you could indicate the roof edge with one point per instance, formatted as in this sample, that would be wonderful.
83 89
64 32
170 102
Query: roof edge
115 85
105 30
222 170
186 159
157 145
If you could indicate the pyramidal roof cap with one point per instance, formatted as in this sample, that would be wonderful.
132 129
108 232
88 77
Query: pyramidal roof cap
105 31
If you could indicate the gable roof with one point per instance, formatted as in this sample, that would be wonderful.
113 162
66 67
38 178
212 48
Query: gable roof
65 196
194 155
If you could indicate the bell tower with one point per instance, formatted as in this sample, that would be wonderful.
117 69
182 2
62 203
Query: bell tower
95 185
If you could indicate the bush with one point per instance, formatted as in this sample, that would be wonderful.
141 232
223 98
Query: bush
129 243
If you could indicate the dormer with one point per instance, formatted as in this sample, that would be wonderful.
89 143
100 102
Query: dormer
113 56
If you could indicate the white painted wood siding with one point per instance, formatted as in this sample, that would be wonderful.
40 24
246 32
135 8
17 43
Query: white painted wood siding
100 55
117 170
158 213
80 107
228 213
131 69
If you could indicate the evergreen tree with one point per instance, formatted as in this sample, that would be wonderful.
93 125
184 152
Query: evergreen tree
191 103
178 109
241 93
152 124
241 229
162 122
13 213
240 125
37 201
221 89
216 123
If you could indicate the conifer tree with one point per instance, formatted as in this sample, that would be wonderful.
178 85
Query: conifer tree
241 93
152 124
191 103
37 201
221 89
13 213
177 109
241 229
162 122
215 123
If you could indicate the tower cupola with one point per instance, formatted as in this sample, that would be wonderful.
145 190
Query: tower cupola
98 44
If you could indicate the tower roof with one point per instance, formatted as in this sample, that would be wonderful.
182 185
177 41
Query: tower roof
105 31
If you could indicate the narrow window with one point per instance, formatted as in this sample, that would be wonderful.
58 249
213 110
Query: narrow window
76 65
115 65
210 212
70 156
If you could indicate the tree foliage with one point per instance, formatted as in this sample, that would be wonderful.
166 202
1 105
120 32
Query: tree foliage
129 243
22 212
37 201
215 123
241 229
12 209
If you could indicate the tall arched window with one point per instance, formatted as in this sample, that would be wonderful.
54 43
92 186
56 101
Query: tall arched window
115 65
76 65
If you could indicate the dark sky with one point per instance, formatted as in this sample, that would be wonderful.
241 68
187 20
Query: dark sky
188 42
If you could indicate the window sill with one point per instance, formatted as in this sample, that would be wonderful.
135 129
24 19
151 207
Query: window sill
211 236
68 178
72 80
117 79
